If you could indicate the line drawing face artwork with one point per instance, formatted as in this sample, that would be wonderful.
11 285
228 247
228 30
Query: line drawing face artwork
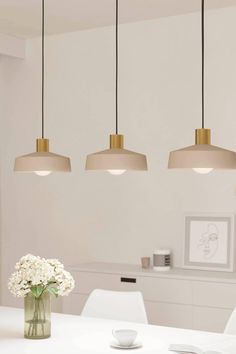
209 241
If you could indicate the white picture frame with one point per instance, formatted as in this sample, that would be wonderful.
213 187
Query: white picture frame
209 242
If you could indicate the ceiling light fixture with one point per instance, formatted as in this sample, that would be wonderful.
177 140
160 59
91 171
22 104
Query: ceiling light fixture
202 157
116 160
42 162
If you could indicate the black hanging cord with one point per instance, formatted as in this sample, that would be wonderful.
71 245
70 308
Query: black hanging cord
117 19
43 28
203 60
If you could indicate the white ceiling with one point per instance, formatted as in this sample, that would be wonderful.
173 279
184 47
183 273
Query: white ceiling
22 17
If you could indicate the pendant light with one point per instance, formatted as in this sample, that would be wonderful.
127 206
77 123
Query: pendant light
202 157
42 162
116 160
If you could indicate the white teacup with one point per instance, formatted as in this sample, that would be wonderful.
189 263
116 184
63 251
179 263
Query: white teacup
125 337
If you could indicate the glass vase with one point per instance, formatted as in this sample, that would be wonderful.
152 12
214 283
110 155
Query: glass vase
37 316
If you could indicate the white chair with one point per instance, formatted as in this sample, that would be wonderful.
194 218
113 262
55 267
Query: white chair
116 305
230 327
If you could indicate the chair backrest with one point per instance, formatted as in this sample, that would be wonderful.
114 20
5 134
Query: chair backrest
116 305
230 327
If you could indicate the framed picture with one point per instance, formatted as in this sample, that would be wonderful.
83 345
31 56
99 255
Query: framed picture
209 242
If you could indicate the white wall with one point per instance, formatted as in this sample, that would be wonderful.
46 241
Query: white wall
1 115
95 216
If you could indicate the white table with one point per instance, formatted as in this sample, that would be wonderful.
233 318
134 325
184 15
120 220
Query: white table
78 335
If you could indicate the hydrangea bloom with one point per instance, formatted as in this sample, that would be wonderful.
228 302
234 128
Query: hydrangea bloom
35 274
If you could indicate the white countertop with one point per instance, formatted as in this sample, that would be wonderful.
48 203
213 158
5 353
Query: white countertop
136 270
80 335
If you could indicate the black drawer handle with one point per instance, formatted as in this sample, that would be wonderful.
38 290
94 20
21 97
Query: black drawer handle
128 280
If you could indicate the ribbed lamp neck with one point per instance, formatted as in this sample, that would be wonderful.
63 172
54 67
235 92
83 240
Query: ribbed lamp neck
202 136
116 141
42 145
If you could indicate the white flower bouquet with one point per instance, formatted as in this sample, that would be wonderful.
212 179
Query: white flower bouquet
36 275
36 279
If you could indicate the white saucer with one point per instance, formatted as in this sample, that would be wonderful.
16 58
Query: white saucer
115 345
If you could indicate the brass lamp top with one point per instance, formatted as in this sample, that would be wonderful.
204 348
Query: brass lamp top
202 136
116 141
42 145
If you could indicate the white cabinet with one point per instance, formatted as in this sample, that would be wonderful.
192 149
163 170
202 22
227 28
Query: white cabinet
167 314
88 281
168 290
210 319
179 298
74 303
214 294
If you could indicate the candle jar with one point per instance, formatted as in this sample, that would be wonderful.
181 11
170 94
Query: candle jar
161 260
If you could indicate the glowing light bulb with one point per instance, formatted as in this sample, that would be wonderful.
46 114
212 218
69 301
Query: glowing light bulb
116 172
203 171
42 173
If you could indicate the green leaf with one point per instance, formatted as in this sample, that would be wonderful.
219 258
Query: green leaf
52 291
37 290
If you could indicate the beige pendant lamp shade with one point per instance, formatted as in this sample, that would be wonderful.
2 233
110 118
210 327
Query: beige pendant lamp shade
202 157
42 162
116 160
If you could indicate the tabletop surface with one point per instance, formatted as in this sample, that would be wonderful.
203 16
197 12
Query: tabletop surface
81 335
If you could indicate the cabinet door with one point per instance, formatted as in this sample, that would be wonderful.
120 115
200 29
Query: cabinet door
171 315
209 294
176 291
74 304
88 281
210 319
